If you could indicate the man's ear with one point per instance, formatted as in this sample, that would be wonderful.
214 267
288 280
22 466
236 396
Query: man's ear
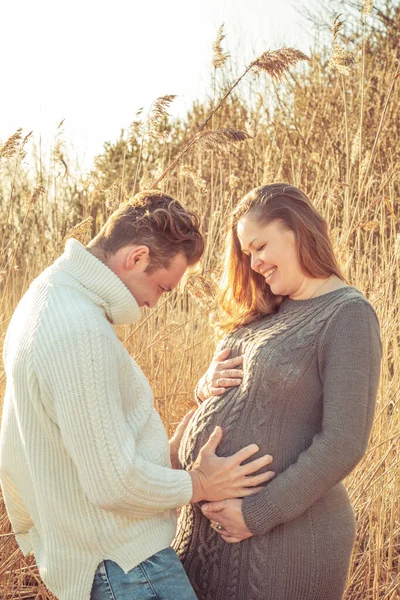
138 257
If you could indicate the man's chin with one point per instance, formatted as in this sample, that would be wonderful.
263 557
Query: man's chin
143 304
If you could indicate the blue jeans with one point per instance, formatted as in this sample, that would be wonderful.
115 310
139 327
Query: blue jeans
160 577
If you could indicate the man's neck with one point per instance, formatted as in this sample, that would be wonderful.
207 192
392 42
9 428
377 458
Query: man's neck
98 253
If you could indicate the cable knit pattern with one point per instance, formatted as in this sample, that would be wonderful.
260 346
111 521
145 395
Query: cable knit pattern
84 457
308 398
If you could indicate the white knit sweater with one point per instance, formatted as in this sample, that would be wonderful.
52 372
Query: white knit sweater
84 457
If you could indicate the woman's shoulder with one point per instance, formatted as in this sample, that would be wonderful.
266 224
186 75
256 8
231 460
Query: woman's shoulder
349 300
351 323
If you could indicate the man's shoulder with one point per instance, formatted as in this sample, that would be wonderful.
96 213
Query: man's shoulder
59 311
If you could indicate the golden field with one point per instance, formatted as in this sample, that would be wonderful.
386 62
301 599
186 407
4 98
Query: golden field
329 125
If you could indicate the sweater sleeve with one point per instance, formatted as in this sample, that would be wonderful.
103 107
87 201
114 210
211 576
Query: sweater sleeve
349 355
82 378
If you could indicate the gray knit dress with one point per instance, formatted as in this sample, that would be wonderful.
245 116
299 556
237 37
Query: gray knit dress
308 398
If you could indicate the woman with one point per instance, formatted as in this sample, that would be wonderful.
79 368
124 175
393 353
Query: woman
312 356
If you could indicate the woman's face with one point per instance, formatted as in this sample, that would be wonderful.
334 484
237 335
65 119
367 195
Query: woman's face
273 254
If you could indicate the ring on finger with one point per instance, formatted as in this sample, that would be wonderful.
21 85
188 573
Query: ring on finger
218 527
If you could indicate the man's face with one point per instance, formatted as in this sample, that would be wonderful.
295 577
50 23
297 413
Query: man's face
130 265
148 288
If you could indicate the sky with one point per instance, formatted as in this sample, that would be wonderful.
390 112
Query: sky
95 63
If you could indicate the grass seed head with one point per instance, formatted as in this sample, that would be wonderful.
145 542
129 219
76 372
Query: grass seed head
221 138
371 225
157 114
364 163
233 181
341 60
277 62
81 232
219 57
114 195
191 173
136 127
355 148
367 7
250 128
203 290
12 145
37 192
336 27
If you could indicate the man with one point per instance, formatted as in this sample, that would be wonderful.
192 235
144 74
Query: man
85 464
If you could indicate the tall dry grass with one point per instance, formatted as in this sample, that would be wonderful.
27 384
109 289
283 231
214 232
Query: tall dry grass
332 129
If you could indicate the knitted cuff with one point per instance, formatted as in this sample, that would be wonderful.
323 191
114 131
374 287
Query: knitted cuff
260 513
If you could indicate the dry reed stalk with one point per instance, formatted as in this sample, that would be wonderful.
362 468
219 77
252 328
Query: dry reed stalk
151 127
275 63
38 191
14 145
362 101
372 154
340 58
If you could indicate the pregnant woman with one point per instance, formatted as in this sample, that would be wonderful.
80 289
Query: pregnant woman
312 354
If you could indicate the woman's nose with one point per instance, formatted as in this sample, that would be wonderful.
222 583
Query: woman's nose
255 263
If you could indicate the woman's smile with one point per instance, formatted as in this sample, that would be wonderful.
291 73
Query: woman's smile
268 275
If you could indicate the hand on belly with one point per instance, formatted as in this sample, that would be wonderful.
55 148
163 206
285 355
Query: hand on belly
227 519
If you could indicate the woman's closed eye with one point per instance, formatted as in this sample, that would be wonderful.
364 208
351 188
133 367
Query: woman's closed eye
247 253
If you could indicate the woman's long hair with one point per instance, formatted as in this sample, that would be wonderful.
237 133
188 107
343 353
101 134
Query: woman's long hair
244 295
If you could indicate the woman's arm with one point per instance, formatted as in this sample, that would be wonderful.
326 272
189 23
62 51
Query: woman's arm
349 355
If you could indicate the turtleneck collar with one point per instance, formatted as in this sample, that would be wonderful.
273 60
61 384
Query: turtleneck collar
103 286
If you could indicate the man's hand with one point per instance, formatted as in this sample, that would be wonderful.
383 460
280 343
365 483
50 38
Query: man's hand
219 478
221 374
175 441
227 520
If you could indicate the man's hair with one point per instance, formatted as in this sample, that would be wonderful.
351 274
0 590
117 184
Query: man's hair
157 221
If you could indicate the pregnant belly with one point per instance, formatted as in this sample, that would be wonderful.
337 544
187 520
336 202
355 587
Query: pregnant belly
211 413
233 414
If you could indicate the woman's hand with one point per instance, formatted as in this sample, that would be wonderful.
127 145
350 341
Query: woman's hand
175 441
221 374
227 520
